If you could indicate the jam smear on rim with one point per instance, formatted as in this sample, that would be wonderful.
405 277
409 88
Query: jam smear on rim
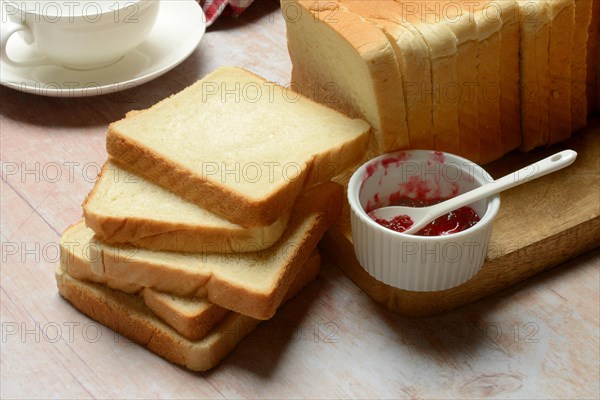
453 222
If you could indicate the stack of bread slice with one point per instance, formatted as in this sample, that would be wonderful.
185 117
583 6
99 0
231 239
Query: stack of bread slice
475 78
207 215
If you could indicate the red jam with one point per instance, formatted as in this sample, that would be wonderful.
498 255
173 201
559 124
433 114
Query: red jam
453 222
398 224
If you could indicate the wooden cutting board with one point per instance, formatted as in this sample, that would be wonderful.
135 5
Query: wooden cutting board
540 224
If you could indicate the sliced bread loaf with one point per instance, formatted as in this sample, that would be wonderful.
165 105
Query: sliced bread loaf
127 315
462 21
510 94
238 145
248 283
535 41
126 208
442 44
562 15
464 43
353 68
583 17
489 86
414 63
424 19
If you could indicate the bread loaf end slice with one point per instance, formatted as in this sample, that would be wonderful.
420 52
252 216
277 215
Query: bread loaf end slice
343 62
414 63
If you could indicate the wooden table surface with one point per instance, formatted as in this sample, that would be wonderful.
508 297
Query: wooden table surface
539 339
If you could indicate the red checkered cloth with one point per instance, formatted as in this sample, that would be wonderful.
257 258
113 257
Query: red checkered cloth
214 8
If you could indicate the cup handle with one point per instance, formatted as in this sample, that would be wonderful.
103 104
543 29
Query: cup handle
7 30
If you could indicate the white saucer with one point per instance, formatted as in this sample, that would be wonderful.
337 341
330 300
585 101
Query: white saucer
178 29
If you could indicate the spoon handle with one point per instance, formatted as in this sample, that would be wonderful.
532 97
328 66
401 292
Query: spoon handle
536 170
526 174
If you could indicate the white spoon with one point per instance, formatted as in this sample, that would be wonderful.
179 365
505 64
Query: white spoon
421 216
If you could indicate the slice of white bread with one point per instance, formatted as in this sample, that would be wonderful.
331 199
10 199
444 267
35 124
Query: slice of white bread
353 69
238 145
192 317
127 315
560 54
583 17
535 42
126 208
249 283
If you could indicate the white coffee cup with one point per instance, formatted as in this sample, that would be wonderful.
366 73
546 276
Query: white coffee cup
77 34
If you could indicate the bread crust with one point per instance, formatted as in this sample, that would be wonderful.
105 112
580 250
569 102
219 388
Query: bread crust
467 70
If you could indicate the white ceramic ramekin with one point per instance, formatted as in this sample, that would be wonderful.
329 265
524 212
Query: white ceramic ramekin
410 262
